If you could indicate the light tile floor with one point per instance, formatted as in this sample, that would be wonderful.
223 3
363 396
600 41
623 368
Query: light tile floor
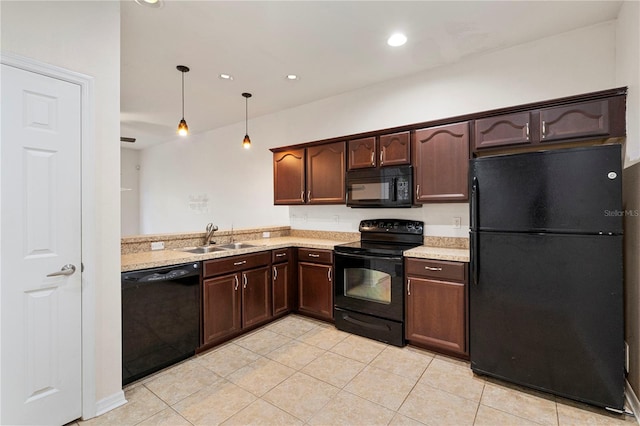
298 371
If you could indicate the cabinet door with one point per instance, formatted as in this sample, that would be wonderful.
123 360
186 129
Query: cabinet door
509 129
442 163
395 149
362 153
436 314
221 307
280 288
575 121
325 174
256 296
315 290
288 177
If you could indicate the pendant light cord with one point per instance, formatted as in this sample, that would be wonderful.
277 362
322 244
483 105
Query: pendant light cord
183 95
246 116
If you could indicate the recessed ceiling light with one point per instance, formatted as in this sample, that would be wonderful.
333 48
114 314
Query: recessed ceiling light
149 3
397 39
292 77
225 76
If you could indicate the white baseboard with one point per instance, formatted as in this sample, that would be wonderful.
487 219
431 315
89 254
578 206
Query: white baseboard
633 401
110 402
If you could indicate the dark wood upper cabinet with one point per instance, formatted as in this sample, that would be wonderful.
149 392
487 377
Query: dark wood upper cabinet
510 129
362 153
382 151
326 168
442 163
575 121
395 149
313 175
288 177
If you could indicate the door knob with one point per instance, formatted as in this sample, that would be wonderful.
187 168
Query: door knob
67 269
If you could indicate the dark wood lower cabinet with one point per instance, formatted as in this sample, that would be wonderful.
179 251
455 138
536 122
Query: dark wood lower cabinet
256 297
221 308
283 283
238 299
436 306
315 284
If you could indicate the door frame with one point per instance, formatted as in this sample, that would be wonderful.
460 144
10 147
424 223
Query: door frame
88 202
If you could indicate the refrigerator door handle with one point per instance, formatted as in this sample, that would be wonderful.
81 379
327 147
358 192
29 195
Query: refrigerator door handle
475 258
474 204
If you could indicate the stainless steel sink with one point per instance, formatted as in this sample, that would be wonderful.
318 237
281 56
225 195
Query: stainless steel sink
201 250
233 246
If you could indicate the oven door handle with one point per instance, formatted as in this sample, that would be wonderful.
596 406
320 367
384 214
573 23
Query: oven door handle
368 256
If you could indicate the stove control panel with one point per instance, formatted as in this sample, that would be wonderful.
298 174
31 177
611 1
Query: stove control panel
396 226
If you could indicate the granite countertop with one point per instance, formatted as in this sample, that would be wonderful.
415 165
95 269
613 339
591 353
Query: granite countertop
167 257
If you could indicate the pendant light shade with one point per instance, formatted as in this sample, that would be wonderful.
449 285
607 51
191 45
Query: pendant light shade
246 143
183 129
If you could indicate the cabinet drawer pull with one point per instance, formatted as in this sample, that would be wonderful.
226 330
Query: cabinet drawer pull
275 273
236 286
281 254
239 263
408 287
431 268
244 280
329 274
544 129
313 255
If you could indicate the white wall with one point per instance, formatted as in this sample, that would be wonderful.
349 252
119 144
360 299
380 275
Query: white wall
85 37
214 163
129 191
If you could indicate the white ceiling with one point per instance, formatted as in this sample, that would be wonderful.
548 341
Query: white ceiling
334 46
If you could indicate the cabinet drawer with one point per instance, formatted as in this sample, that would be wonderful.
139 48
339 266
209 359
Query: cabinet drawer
439 269
280 255
315 256
236 263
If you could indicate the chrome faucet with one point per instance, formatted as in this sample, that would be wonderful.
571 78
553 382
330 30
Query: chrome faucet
211 228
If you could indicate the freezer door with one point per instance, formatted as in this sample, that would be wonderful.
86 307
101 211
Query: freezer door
547 312
577 190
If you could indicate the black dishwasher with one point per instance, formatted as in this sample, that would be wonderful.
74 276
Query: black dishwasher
160 318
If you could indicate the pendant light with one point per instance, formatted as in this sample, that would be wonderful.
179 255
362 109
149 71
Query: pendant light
183 129
246 143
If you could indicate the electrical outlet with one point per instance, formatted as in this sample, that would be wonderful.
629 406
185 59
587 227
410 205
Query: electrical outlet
456 222
266 234
158 245
626 357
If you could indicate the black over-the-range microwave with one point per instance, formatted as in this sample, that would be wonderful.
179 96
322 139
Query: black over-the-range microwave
380 187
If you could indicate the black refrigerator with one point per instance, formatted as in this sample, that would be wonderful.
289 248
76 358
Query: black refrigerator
546 292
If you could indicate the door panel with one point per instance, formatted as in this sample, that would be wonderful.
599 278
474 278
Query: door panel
546 312
569 190
41 233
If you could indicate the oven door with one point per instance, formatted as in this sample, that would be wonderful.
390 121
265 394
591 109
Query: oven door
370 284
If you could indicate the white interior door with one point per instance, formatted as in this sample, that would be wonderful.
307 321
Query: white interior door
40 320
